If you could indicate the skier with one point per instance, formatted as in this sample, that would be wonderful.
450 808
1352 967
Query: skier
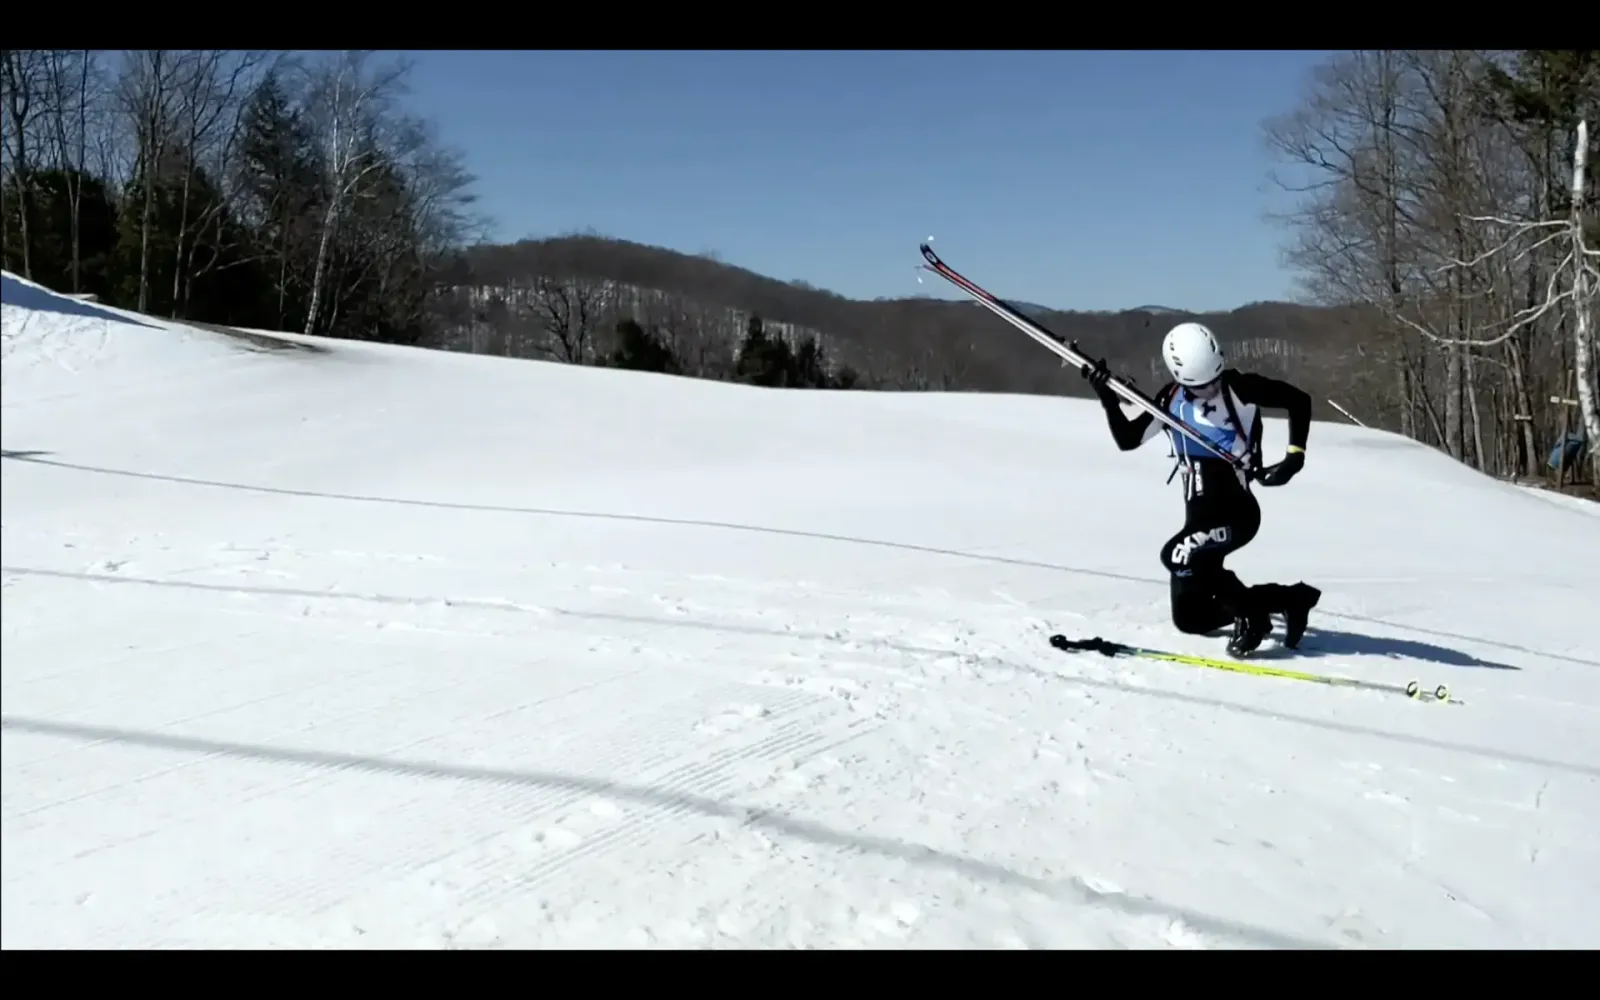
1221 515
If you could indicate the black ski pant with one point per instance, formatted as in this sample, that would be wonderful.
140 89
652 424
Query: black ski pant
1205 595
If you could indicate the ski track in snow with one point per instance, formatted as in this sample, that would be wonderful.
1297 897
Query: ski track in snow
822 715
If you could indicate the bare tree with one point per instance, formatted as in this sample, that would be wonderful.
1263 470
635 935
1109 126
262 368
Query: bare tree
439 199
1570 288
1422 202
209 103
689 331
569 310
71 74
433 216
352 112
1453 150
149 79
1350 147
23 73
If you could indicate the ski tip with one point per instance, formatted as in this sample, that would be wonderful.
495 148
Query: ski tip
929 255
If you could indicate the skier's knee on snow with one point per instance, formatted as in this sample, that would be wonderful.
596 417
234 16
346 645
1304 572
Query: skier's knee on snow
1204 619
1196 609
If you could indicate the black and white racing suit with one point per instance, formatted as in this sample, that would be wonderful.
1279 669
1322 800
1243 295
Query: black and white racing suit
1220 513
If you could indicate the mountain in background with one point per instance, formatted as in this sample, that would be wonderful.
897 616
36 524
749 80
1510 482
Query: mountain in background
549 297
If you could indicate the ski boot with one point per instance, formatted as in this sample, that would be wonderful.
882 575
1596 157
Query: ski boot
1302 597
1248 631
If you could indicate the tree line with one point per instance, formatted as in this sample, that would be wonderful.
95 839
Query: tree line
1449 192
561 298
244 188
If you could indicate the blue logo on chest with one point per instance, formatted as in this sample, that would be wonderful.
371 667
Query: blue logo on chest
1207 417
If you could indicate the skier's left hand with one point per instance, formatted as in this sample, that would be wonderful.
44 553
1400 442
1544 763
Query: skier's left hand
1277 475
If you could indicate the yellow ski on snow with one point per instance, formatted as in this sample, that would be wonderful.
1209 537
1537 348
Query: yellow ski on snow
1412 689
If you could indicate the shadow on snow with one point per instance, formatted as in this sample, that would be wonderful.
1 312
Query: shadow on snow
1069 890
1331 642
26 296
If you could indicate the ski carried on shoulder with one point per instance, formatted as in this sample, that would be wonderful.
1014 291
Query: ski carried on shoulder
1071 354
1413 689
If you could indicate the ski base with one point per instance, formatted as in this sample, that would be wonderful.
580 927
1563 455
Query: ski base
1413 689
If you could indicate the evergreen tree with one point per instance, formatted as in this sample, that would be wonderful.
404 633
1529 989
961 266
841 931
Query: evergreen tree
50 231
643 350
281 182
763 360
1545 94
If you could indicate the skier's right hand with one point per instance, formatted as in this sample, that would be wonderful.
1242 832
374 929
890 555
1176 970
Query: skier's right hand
1099 377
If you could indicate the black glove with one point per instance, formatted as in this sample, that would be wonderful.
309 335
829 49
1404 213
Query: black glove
1099 377
1277 475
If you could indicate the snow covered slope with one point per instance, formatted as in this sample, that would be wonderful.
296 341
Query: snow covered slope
370 647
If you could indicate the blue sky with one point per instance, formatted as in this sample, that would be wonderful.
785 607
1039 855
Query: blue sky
1079 180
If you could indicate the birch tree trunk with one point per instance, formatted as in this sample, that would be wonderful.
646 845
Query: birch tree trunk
1583 302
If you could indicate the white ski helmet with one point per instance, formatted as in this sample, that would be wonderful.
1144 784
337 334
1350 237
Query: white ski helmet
1192 354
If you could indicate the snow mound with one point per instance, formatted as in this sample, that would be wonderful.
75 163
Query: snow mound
50 343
